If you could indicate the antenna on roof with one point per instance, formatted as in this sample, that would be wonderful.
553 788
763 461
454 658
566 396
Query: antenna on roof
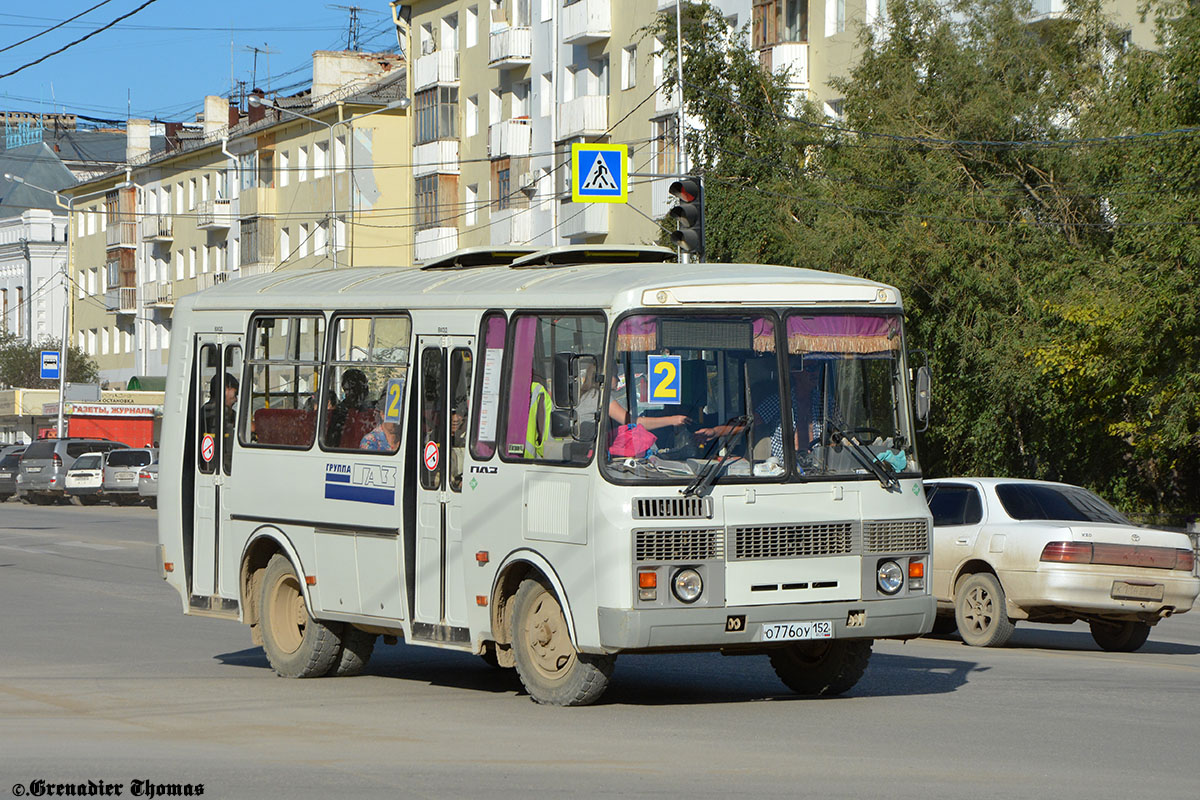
265 50
352 30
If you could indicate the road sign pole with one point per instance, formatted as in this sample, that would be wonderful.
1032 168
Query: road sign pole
62 352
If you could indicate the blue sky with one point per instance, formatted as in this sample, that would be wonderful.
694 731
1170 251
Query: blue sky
165 58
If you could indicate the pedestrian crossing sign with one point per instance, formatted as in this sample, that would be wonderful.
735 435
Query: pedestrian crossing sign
599 173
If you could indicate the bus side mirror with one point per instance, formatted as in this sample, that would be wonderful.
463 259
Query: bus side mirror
922 399
567 376
565 424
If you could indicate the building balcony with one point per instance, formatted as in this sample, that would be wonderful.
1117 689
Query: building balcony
663 5
583 116
586 21
664 101
157 228
432 158
258 202
580 220
510 47
208 280
434 243
791 56
121 300
121 234
513 226
512 137
439 68
212 215
158 294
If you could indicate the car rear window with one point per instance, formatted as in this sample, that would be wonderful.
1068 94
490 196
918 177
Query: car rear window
129 458
1060 503
953 504
10 460
86 462
76 449
43 448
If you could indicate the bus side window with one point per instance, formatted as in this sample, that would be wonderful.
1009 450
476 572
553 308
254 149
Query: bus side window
460 406
433 400
206 413
280 409
365 382
487 415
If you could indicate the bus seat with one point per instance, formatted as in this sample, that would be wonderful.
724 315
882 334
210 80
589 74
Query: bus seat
358 424
285 426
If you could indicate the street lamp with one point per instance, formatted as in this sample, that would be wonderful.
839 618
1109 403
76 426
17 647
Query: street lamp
260 101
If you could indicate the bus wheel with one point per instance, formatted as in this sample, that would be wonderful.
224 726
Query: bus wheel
357 646
822 669
297 645
552 670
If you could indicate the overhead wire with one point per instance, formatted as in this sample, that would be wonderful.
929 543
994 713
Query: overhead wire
53 27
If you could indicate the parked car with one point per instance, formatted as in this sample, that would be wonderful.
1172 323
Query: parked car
10 462
121 469
1007 550
148 484
85 478
41 478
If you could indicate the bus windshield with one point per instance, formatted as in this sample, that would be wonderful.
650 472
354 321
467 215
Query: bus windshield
757 397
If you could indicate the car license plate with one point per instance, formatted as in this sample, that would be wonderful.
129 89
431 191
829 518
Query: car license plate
124 476
33 469
1121 590
796 631
5 475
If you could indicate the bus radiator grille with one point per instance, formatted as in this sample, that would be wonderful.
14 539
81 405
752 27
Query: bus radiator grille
679 545
793 541
672 508
895 536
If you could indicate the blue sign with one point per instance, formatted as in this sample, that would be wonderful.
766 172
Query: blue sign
50 365
599 173
665 382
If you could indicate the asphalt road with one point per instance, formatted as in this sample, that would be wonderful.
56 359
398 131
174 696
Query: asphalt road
102 678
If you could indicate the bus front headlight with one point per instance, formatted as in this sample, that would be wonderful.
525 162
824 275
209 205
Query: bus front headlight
890 577
687 585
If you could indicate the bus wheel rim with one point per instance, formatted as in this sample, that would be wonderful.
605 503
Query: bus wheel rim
287 615
547 638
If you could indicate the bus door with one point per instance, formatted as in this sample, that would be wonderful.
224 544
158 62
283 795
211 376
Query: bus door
443 395
214 425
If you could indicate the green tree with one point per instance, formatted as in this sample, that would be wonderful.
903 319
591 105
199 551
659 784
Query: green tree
21 363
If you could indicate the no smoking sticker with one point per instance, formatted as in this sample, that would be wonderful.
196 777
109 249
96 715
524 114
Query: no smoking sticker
431 456
207 447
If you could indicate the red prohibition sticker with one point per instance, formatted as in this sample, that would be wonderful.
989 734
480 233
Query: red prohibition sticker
431 456
207 447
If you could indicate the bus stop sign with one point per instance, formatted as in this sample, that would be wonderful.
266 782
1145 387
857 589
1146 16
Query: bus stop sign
599 173
50 365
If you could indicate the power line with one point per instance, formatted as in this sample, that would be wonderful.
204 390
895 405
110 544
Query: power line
69 45
55 27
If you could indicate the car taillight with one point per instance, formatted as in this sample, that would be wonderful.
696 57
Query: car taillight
144 474
57 459
1185 560
1068 552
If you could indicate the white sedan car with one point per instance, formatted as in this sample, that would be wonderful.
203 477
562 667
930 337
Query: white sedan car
1007 550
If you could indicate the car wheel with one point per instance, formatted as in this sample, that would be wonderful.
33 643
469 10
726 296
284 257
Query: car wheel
4 498
979 611
822 669
1120 637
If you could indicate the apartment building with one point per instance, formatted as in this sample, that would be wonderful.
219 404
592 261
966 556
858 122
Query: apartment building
319 180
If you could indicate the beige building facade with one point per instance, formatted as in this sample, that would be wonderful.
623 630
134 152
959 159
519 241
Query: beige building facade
314 181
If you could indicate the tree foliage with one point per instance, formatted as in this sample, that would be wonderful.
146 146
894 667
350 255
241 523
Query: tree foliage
999 172
21 364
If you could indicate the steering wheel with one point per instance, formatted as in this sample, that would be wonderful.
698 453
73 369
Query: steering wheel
847 433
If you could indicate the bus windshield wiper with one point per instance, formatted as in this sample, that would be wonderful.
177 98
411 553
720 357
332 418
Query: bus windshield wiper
706 476
865 457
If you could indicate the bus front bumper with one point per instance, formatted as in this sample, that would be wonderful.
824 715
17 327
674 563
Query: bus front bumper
741 626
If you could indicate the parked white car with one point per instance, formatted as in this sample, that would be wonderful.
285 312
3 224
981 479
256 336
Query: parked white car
148 484
1006 550
85 478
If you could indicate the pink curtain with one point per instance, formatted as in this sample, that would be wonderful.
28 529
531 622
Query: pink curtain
842 334
522 379
764 335
637 334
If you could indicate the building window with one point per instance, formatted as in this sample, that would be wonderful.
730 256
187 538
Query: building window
471 200
629 67
503 172
192 263
302 164
302 245
472 26
339 154
284 162
285 244
666 145
545 95
436 114
835 17
427 211
258 239
776 21
472 115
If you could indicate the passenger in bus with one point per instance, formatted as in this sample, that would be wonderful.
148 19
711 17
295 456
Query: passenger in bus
214 419
354 399
768 417
384 437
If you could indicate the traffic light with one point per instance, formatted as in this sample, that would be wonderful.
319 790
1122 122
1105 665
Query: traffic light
689 212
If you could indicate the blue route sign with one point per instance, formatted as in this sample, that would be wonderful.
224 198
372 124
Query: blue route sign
50 365
599 173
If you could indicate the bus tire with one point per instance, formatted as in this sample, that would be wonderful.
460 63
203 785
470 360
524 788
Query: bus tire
551 669
357 647
980 611
1119 637
297 646
822 669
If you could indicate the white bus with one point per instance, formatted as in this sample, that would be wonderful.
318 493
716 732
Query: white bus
547 459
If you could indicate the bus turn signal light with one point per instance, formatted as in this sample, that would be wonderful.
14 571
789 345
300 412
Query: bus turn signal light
648 585
168 566
916 569
311 580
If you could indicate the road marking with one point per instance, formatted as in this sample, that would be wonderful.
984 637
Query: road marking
92 546
29 549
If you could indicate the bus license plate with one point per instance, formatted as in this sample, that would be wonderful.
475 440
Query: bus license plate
796 631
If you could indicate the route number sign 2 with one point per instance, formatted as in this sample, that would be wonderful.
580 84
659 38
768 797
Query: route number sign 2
665 382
